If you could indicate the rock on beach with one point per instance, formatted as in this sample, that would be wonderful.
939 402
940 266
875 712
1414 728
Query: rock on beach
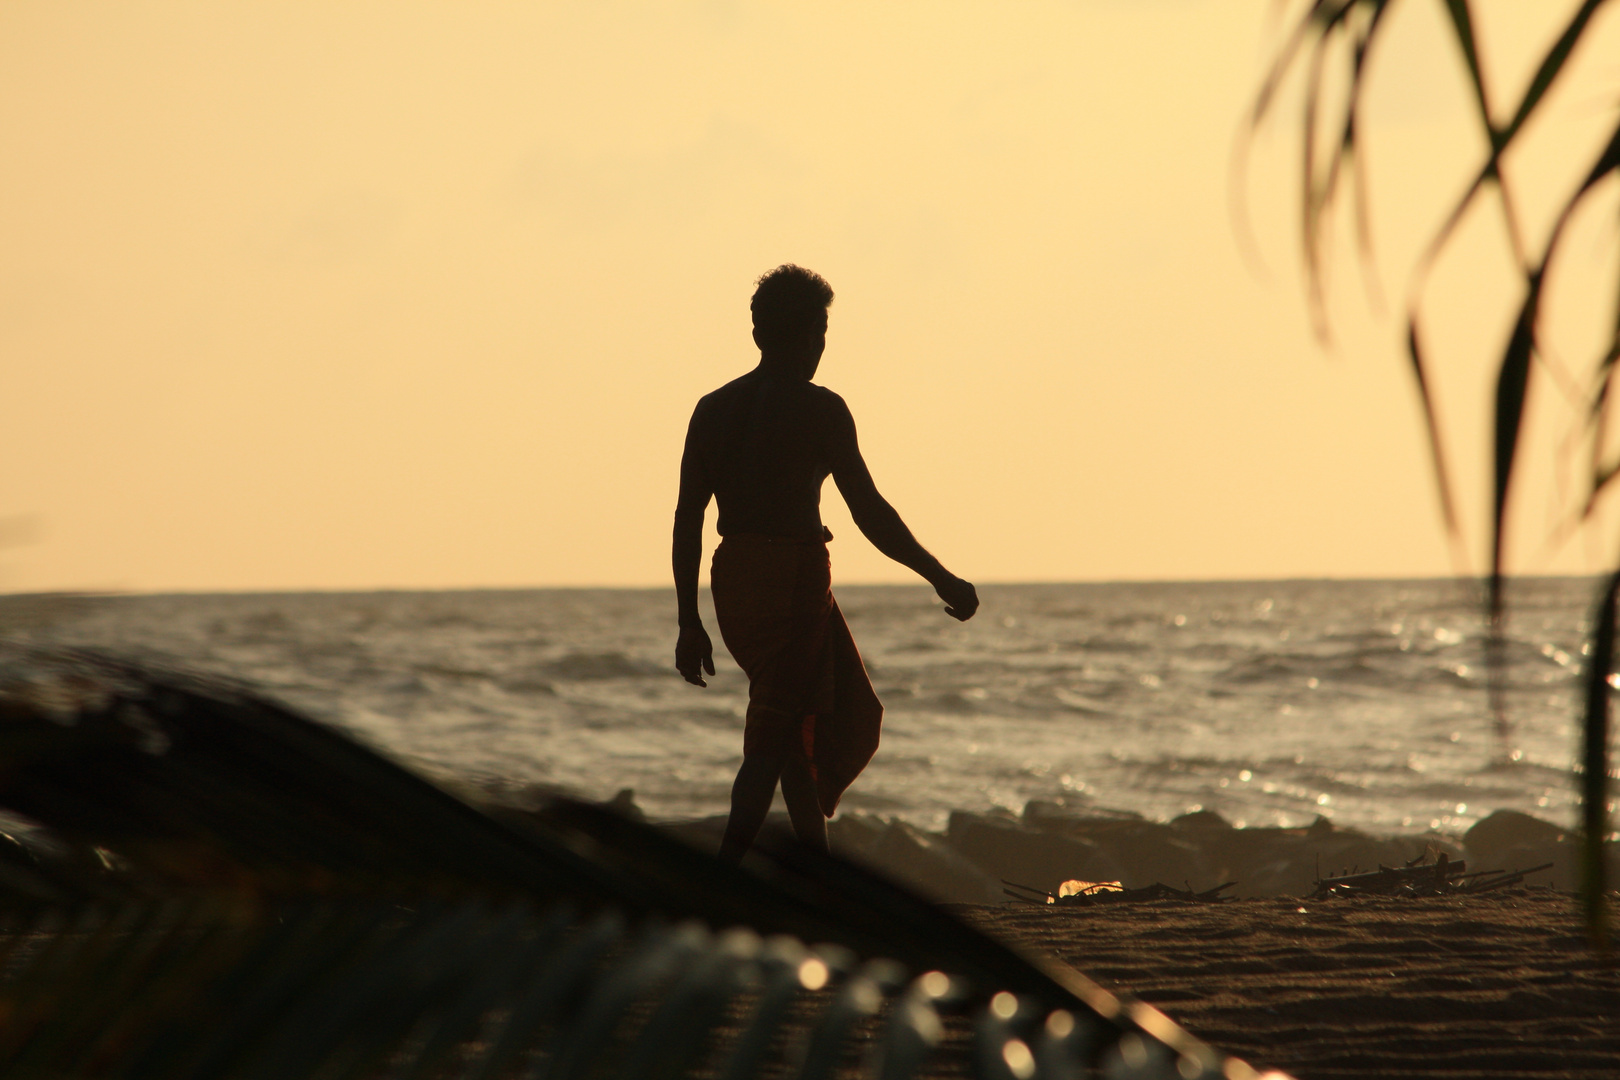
1050 843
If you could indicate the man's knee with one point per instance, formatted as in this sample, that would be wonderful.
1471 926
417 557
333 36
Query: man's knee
771 734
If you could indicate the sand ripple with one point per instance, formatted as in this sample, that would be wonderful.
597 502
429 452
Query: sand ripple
1491 986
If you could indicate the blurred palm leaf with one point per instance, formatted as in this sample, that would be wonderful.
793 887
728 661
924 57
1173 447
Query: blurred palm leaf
209 885
1354 25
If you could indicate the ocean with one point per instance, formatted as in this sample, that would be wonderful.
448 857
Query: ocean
1269 702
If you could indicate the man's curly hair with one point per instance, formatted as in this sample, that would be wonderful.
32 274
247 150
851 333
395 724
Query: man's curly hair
788 302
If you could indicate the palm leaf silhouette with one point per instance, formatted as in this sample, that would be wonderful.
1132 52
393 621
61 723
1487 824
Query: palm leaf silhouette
1355 24
207 884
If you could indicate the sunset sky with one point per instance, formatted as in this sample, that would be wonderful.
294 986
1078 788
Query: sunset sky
390 294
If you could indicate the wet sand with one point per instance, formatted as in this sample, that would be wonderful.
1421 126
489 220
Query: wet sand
1499 985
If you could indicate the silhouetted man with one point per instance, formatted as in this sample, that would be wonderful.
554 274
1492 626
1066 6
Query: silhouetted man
761 446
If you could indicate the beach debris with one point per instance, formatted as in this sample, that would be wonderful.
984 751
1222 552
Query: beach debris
1443 877
1082 893
1088 888
1054 841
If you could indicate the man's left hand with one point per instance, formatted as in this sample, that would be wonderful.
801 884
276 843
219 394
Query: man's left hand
961 598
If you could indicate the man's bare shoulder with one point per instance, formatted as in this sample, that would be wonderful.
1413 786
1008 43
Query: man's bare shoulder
821 407
825 403
825 409
715 400
831 407
727 392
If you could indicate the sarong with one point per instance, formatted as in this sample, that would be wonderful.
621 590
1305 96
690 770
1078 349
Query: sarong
807 686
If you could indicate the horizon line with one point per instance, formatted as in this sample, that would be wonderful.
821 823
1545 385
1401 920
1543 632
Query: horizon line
1471 579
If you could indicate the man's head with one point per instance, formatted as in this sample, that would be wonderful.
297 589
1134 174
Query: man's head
790 308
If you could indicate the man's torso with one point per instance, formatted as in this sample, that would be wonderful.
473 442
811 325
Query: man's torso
767 445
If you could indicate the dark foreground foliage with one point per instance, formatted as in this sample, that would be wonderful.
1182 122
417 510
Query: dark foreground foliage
202 883
1333 153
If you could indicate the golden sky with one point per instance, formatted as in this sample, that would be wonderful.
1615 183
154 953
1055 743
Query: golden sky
389 294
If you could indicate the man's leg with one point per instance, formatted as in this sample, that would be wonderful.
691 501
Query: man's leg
751 795
766 748
803 804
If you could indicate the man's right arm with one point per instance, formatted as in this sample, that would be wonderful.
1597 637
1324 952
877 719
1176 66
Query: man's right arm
694 653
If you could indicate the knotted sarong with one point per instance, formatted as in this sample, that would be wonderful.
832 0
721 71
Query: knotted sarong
807 687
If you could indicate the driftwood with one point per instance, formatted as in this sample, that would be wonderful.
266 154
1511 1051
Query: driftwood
1443 877
1113 893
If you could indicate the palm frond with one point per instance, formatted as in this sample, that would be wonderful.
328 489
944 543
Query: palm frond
1326 25
1315 30
1437 450
273 900
1595 761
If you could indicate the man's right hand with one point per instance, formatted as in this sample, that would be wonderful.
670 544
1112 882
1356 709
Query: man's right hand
961 598
694 654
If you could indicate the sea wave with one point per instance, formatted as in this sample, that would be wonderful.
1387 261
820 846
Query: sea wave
1270 702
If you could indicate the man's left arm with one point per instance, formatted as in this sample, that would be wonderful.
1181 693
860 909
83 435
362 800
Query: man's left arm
881 522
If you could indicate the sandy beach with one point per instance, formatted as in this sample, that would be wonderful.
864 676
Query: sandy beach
1500 985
